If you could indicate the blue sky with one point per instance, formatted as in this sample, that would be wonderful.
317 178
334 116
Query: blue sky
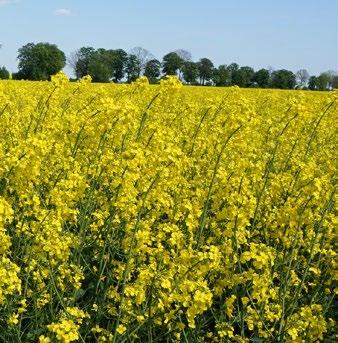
290 34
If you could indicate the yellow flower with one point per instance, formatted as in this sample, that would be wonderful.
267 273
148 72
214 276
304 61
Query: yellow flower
166 205
13 319
293 333
121 329
44 339
66 331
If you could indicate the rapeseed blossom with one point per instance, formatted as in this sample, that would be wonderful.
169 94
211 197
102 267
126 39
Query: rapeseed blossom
149 213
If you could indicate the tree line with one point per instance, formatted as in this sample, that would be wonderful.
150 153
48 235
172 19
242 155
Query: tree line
40 61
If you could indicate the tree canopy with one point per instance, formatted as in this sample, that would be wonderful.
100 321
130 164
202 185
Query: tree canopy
190 72
4 73
205 70
133 68
153 70
221 76
40 61
172 63
283 79
81 61
262 78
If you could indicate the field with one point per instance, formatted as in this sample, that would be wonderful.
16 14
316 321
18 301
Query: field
138 213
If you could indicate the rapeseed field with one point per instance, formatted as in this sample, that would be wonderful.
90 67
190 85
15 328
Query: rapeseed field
139 213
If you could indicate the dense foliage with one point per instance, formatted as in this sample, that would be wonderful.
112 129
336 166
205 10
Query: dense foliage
137 213
4 73
39 61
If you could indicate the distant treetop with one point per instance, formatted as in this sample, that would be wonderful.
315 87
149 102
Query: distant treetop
40 61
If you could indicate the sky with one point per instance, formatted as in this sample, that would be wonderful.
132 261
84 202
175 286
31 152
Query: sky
290 34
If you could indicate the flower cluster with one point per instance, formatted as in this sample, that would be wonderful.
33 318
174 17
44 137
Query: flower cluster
165 213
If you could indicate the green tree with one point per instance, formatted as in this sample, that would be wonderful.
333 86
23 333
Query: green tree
283 79
153 70
323 81
232 69
40 61
80 61
205 70
143 55
261 78
4 73
99 67
312 82
190 72
103 65
133 68
117 60
172 63
221 76
335 82
186 57
242 77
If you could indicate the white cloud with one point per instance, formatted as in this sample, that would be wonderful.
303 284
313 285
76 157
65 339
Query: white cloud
62 12
6 2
